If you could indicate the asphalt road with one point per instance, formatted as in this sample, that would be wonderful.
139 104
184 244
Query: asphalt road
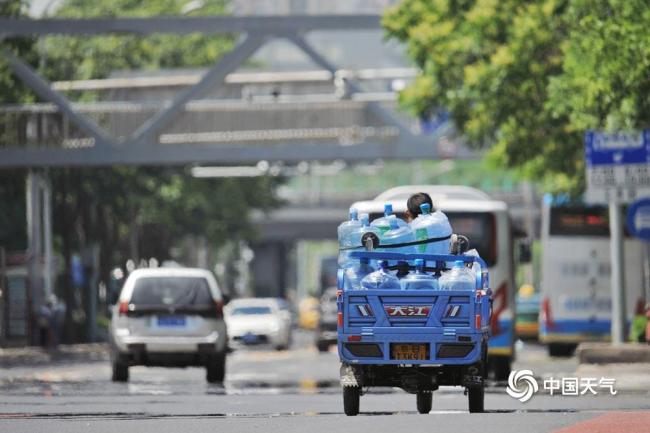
290 391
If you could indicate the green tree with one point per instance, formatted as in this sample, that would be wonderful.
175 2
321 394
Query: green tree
526 78
97 56
12 89
605 81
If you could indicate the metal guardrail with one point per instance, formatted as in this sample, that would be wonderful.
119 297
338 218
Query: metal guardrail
202 121
239 78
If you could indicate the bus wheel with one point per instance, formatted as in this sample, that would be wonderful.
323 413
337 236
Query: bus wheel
351 396
501 367
424 401
561 349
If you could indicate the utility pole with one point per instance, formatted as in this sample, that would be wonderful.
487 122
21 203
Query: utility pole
618 286
34 248
48 274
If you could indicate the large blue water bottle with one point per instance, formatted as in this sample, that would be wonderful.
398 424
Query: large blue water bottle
431 225
381 279
397 235
354 241
353 275
347 226
346 234
383 223
459 277
419 279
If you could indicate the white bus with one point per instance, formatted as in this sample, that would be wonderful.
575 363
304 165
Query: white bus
487 225
575 285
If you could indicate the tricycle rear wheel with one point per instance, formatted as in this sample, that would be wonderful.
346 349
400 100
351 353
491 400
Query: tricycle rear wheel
476 397
351 395
424 401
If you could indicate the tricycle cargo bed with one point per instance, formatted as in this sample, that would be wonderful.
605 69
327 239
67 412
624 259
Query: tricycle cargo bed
412 327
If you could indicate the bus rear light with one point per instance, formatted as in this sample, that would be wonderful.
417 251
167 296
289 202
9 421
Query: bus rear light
547 317
500 303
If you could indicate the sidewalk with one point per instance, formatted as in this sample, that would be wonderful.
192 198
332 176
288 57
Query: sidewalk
628 363
606 353
34 356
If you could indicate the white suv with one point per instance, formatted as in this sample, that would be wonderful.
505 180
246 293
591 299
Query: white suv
169 317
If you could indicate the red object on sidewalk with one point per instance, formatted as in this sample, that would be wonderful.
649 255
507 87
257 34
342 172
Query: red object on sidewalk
613 422
647 326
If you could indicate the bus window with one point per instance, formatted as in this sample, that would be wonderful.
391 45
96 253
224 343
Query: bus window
480 229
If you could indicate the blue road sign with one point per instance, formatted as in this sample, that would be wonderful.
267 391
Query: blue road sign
617 148
638 219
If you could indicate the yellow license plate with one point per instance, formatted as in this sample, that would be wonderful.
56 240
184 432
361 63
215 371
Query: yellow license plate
409 352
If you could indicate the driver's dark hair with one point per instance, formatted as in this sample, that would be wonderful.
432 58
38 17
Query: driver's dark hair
414 202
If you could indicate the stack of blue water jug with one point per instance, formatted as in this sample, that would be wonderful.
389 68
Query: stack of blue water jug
391 231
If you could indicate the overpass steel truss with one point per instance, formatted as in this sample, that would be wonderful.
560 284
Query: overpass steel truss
142 147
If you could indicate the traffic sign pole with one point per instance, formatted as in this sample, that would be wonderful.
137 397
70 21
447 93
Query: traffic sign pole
618 292
618 171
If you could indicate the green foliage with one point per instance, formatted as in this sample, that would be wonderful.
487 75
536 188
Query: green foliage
13 236
606 70
11 89
162 204
526 78
96 57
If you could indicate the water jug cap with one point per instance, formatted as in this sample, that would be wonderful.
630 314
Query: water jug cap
419 263
354 215
365 219
393 222
388 209
459 264
425 208
383 264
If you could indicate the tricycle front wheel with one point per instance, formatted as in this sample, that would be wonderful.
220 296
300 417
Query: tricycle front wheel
351 395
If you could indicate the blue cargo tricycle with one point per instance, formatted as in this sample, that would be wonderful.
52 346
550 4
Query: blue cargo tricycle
416 340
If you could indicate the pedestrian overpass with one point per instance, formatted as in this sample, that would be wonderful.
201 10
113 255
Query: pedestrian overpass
359 125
